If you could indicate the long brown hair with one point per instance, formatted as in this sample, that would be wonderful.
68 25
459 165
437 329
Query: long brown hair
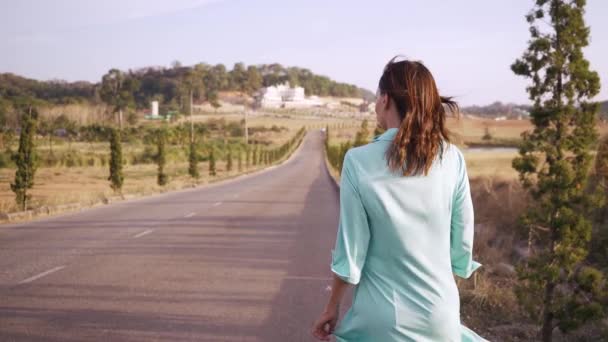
423 129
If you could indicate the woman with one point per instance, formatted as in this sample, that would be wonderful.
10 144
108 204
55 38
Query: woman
406 222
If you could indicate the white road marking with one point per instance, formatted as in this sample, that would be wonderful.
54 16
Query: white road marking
190 215
145 232
307 278
41 275
216 204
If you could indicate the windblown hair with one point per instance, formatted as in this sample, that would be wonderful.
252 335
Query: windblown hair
423 133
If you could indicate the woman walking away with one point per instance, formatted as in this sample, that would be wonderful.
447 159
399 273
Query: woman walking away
406 222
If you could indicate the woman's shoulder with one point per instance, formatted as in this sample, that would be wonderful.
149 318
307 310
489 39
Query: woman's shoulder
453 159
371 156
452 150
365 156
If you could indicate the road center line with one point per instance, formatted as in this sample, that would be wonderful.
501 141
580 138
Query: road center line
189 215
28 280
216 204
145 232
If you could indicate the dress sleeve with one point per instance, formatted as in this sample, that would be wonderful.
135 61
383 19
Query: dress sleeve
462 225
348 256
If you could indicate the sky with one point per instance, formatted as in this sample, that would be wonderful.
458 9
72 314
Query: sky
468 45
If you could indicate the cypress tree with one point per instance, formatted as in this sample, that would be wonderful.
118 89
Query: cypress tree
116 178
255 156
193 162
229 160
161 157
212 163
25 159
361 136
248 157
556 286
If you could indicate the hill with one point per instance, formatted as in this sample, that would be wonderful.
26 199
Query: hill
497 109
167 84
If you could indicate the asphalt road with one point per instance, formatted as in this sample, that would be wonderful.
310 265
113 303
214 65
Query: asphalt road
244 260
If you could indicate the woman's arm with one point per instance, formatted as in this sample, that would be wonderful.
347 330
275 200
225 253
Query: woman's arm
326 323
349 254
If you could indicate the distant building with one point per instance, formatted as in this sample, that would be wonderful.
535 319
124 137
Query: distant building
153 113
284 96
154 108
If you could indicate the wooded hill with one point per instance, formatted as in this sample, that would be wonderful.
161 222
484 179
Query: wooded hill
168 84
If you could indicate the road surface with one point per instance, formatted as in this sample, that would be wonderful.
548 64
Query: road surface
245 260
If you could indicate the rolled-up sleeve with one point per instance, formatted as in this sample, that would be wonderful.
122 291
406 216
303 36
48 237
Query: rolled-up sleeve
348 256
462 225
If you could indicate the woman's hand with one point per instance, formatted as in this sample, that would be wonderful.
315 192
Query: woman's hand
325 325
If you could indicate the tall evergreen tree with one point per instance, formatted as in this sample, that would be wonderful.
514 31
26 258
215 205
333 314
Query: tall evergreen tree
212 171
361 136
229 160
247 157
161 156
556 286
25 159
193 162
116 178
255 156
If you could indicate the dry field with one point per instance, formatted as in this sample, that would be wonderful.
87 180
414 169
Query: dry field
89 184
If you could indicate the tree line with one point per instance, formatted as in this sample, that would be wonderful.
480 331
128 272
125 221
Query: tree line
26 158
336 152
171 86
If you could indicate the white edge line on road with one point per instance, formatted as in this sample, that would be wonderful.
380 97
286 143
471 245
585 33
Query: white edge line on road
216 204
189 215
219 183
28 280
145 232
306 278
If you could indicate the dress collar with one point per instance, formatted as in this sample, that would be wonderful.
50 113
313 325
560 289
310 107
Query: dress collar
388 135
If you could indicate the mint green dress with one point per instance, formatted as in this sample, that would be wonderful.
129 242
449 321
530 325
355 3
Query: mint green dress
399 240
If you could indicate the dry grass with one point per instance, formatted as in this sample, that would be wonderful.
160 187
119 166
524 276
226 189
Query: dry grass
83 114
490 164
88 185
469 129
489 303
290 121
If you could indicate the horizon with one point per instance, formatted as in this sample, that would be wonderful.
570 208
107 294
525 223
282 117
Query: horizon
82 41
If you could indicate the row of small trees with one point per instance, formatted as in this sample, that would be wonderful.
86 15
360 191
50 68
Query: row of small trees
336 153
251 156
26 157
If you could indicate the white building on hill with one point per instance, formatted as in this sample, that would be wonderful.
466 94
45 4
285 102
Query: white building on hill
284 96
